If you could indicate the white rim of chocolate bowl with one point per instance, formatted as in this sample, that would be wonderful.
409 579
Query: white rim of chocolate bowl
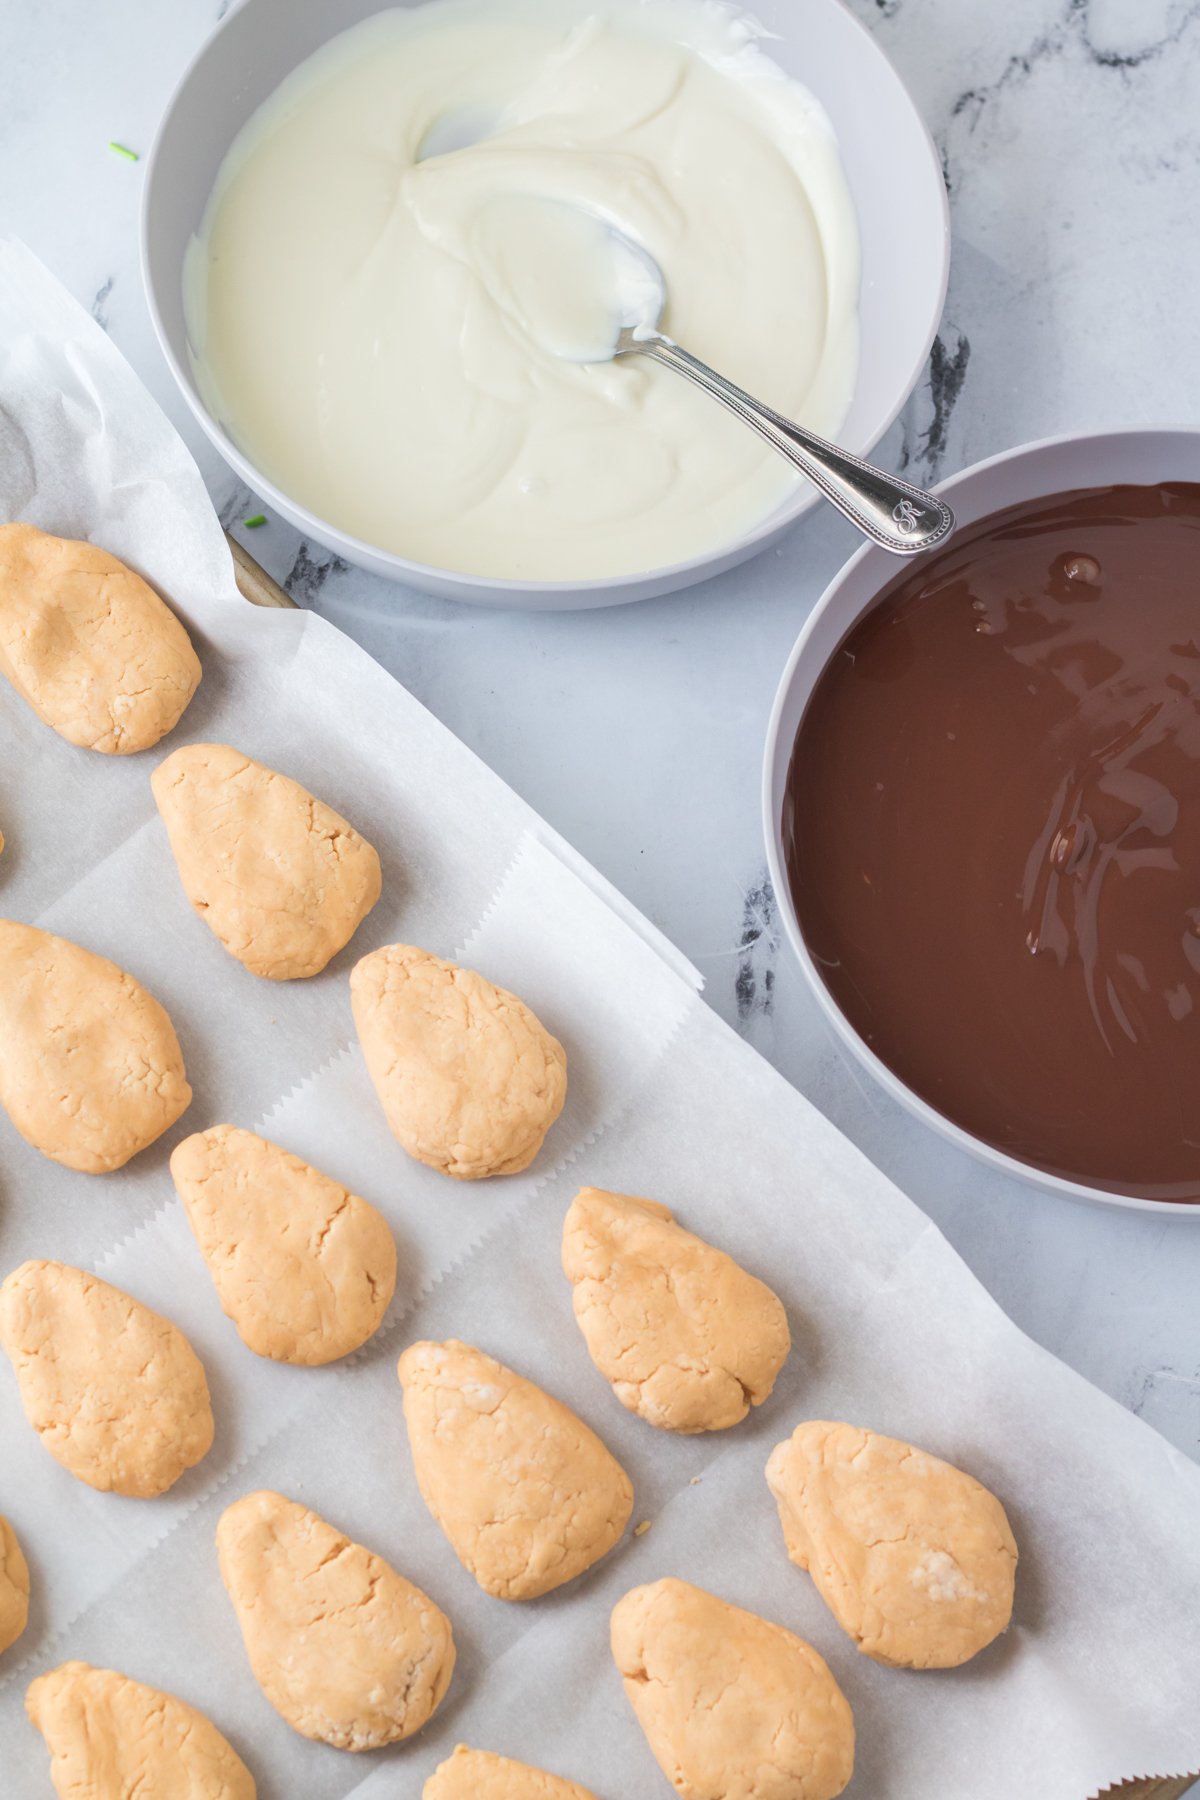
1125 454
162 277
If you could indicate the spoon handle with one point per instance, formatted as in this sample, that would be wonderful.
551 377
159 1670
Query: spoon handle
894 515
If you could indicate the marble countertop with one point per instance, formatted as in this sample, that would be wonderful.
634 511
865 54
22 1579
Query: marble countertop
1070 137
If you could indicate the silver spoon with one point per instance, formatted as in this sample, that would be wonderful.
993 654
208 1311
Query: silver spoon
890 512
893 514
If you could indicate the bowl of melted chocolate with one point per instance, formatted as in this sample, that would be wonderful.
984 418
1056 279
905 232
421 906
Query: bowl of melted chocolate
983 817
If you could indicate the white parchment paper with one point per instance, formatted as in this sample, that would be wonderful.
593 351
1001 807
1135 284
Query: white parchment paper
1099 1677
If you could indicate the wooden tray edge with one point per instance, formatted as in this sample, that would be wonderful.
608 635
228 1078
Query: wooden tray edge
1159 1788
254 584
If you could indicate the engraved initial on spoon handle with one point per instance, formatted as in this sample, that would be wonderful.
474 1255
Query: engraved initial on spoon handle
894 515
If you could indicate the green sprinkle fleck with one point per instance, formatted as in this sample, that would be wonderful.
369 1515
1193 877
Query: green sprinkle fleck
123 150
253 523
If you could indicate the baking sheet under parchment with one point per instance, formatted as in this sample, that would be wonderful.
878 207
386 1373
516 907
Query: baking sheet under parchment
1097 1679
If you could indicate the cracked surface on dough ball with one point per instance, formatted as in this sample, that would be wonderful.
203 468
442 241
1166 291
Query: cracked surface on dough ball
14 1587
470 1081
733 1707
481 1775
304 1268
914 1559
91 647
115 1391
527 1495
111 1738
689 1340
90 1067
344 1648
281 879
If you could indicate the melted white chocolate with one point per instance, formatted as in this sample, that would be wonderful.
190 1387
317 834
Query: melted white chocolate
391 334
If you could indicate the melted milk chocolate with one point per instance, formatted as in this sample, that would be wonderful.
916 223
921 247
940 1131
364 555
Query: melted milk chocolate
992 834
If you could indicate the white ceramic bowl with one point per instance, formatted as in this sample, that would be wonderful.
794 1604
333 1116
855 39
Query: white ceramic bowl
891 165
1053 466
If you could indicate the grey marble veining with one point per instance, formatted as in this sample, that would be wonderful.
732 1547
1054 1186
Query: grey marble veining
1070 137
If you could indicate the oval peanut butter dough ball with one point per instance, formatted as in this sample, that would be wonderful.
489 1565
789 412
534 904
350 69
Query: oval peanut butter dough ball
733 1707
90 1067
115 1391
280 878
14 1587
304 1268
527 1495
470 1081
89 644
111 1738
688 1339
479 1775
914 1559
344 1648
